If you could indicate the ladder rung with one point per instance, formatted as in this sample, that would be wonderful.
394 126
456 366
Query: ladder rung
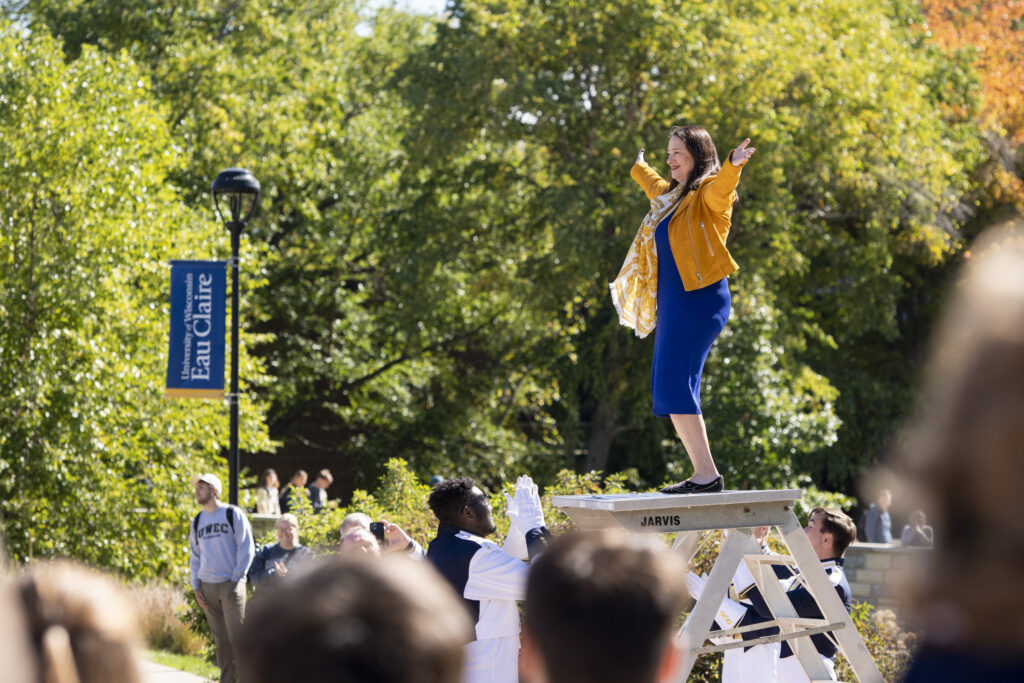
772 559
777 638
801 622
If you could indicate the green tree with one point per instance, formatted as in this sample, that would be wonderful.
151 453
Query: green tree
384 335
94 463
845 207
446 202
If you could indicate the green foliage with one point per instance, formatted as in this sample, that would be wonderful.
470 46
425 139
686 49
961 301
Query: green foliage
569 483
443 207
194 618
835 218
188 663
94 463
889 645
401 498
813 497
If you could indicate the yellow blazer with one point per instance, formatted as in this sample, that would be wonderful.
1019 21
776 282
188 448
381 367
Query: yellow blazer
700 225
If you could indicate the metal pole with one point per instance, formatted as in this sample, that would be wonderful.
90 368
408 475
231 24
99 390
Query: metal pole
236 232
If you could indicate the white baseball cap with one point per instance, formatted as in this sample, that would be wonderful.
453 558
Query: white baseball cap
213 481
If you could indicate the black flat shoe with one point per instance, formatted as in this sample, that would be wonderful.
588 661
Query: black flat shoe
713 486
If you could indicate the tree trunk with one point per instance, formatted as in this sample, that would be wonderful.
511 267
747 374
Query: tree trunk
602 431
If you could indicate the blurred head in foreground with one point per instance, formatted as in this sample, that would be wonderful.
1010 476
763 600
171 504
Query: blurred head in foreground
358 620
961 457
603 607
76 623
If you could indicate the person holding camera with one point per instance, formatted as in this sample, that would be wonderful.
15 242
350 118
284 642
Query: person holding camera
378 537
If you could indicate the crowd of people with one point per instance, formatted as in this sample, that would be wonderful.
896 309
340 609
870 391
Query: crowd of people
273 500
599 607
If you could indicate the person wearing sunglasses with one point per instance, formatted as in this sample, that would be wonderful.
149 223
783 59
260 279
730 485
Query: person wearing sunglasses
488 578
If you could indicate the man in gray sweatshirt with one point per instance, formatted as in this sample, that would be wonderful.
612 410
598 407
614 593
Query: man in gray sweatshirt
222 548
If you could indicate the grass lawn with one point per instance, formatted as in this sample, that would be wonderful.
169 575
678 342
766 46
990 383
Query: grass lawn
193 665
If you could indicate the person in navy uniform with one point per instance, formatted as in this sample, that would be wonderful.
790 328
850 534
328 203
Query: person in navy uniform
488 578
830 533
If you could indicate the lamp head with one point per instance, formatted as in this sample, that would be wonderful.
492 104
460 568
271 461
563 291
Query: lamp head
236 194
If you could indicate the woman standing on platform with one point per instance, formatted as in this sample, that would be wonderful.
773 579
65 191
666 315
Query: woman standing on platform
687 290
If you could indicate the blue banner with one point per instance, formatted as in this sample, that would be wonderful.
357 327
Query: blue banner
195 363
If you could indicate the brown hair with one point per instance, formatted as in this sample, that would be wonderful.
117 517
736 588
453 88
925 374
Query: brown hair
702 148
388 620
602 606
267 473
839 524
82 626
960 458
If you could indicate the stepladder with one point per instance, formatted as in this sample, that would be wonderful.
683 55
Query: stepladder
690 517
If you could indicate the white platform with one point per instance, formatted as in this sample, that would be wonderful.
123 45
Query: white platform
659 512
693 513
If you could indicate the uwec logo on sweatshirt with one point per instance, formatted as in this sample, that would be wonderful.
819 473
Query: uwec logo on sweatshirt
213 530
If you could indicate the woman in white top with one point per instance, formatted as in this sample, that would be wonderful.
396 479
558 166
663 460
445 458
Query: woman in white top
266 493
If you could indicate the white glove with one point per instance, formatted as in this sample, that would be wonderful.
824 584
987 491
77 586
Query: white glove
511 509
640 156
695 584
527 502
515 542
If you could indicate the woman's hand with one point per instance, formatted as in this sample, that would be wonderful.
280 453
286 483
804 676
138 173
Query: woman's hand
640 156
741 153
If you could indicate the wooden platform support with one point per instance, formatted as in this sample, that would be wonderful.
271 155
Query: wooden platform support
689 516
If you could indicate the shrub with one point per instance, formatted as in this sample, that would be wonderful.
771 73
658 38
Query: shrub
401 498
889 645
161 613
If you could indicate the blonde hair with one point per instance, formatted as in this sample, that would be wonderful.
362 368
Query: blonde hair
288 518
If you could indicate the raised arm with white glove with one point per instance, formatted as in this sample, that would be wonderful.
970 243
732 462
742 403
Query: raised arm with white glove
530 512
515 542
529 516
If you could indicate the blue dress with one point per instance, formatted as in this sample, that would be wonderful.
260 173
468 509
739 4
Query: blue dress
688 324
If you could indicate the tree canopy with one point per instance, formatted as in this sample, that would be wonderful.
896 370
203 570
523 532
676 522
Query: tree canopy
95 464
445 201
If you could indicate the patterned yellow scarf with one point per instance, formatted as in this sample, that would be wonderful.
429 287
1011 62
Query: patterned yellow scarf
635 290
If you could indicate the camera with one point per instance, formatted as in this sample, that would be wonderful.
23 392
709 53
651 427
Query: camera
377 529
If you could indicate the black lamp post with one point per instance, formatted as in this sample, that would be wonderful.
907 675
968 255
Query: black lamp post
236 194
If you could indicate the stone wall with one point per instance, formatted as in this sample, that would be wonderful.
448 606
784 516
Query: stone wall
262 525
878 573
